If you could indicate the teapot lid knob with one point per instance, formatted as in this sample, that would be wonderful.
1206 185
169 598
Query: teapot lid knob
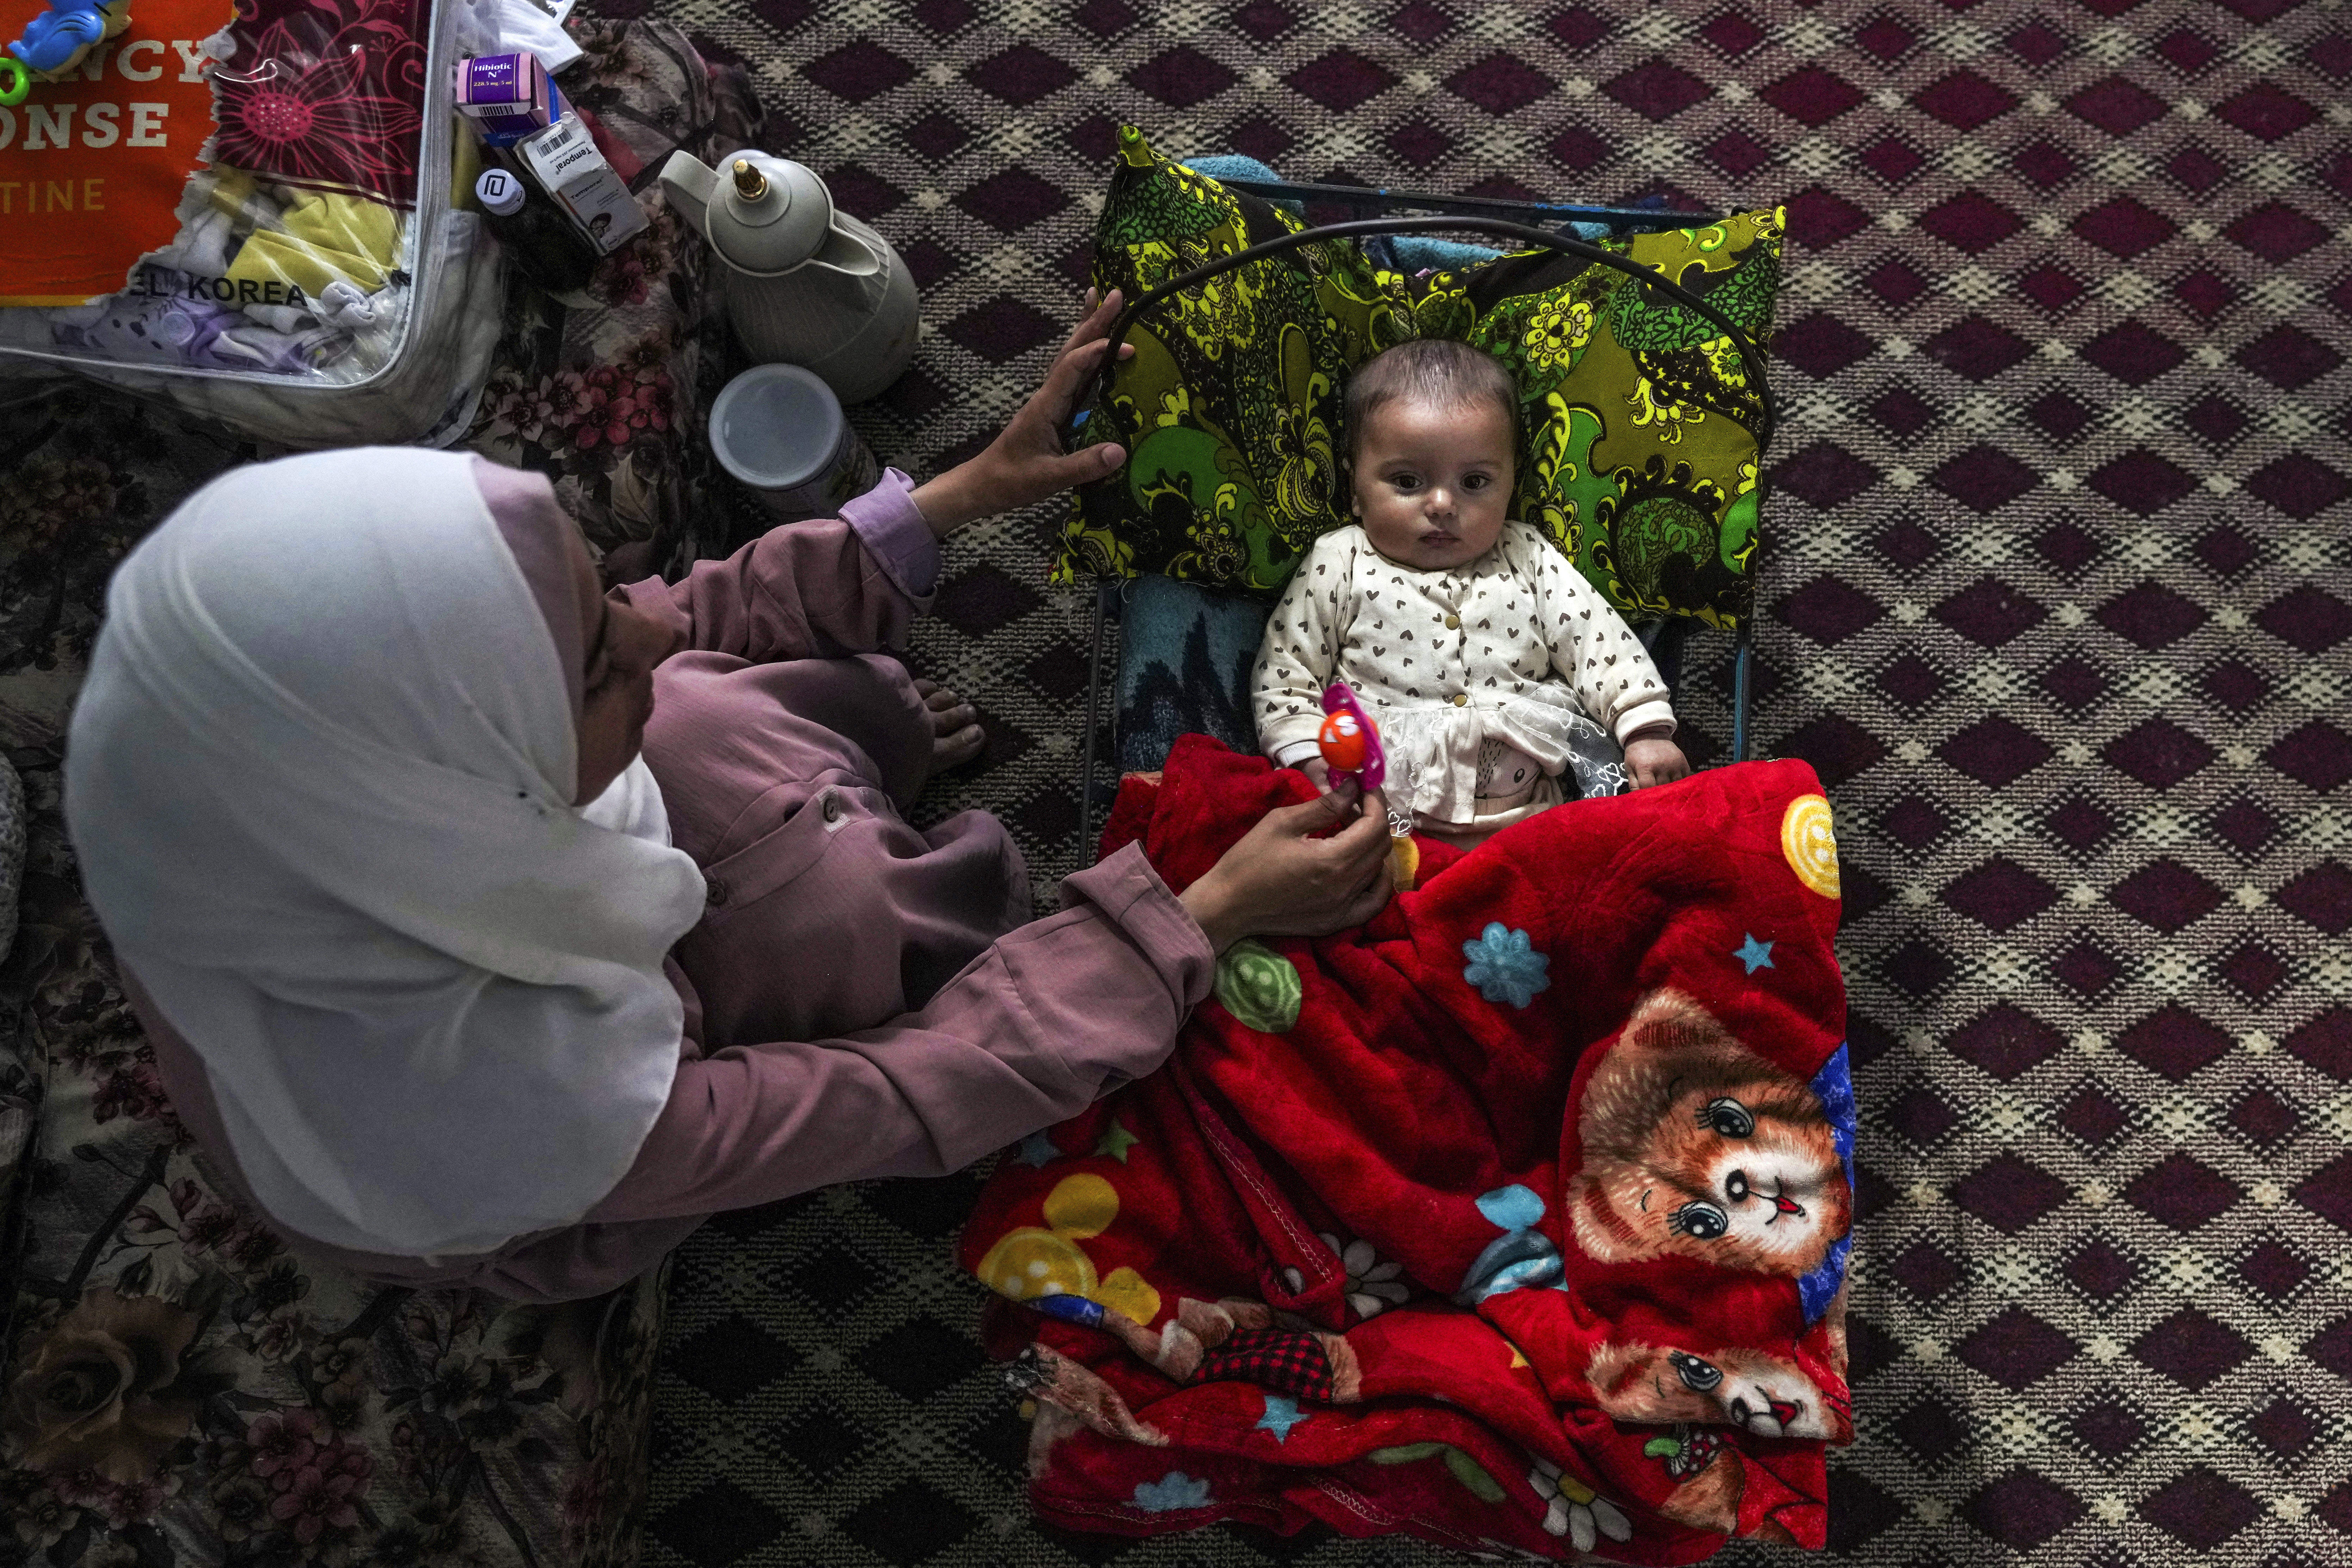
750 184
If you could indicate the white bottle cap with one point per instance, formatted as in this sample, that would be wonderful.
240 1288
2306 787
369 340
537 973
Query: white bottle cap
499 193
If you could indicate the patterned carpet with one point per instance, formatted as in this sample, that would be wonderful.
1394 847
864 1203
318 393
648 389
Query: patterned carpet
2053 601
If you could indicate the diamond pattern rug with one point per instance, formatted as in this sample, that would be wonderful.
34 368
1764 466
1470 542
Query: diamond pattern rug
2055 600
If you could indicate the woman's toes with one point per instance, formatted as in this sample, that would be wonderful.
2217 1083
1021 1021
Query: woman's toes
944 705
955 747
956 733
949 713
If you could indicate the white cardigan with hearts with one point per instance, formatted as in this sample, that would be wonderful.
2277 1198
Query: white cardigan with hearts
1515 646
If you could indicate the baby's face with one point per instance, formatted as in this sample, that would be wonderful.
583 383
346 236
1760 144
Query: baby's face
1433 483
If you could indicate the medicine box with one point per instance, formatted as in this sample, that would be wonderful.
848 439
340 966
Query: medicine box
508 96
567 166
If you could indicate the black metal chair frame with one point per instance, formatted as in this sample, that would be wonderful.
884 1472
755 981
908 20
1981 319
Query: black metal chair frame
1513 220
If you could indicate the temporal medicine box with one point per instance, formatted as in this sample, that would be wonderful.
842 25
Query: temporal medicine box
566 163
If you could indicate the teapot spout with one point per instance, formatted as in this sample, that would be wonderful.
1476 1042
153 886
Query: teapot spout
688 183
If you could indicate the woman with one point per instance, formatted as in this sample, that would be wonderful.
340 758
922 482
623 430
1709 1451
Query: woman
493 930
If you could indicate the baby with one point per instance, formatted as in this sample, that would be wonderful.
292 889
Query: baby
1477 649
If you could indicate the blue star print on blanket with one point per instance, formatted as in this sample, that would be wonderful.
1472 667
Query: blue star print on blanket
1281 1416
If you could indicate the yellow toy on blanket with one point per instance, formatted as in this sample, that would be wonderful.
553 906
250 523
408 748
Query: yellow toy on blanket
1028 1264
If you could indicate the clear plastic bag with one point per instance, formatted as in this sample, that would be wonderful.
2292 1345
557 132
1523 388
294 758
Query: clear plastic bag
245 207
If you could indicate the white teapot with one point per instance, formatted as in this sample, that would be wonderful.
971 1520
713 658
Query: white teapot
804 284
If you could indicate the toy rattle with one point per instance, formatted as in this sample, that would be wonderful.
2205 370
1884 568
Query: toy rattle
1351 746
56 40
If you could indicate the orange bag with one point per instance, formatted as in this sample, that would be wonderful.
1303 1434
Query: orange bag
91 167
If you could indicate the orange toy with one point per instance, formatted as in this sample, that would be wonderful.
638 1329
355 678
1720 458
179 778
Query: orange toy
1341 742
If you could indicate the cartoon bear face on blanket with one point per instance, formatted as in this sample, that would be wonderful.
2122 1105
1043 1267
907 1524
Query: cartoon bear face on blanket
1696 1146
1732 1386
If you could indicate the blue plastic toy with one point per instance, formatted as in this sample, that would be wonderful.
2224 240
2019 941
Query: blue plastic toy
55 41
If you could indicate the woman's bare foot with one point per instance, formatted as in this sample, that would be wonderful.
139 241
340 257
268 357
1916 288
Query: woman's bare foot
956 734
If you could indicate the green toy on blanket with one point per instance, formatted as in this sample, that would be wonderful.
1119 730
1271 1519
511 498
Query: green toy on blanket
1515 1220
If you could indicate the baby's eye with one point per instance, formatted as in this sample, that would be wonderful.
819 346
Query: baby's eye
1475 482
1406 482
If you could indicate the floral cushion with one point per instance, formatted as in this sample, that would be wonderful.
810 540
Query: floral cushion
1230 408
1637 443
1637 454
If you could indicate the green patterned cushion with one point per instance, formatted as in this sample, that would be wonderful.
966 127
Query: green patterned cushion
1637 446
1637 455
1229 409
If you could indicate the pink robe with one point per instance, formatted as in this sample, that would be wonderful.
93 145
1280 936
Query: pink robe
862 999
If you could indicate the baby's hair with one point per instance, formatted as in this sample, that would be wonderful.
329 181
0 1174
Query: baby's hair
1438 371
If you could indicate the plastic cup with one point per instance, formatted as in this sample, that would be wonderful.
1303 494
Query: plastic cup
779 430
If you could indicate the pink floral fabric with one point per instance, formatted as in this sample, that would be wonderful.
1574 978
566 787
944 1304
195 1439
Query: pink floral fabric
326 93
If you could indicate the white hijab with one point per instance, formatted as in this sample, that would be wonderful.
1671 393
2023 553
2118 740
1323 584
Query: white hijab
319 781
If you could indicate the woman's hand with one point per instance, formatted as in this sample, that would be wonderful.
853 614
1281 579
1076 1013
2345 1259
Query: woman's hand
1278 881
1655 761
1025 463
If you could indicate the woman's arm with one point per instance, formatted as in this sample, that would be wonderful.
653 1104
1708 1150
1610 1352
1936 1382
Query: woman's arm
855 586
807 590
1048 1018
1025 463
825 589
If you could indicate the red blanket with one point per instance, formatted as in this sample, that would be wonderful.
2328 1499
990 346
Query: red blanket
1515 1220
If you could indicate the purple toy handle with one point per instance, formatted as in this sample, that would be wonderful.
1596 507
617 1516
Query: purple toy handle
1338 699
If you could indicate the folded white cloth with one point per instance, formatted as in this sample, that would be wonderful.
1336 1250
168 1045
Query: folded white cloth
526 25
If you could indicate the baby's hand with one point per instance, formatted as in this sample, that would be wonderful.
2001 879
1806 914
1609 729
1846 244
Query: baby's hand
1655 762
1317 772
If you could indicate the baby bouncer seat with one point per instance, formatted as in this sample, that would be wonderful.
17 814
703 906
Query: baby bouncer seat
1635 337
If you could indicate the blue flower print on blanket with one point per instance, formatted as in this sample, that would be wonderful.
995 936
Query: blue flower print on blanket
1833 1086
1521 1258
1171 1491
1505 966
